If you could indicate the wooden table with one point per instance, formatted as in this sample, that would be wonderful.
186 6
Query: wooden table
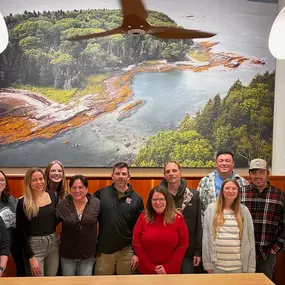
181 279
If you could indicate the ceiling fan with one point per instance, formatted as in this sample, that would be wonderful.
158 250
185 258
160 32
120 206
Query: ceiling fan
134 23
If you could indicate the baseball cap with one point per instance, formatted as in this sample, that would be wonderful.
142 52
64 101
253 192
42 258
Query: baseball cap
258 163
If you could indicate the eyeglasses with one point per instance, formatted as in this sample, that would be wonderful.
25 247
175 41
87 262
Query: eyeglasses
158 200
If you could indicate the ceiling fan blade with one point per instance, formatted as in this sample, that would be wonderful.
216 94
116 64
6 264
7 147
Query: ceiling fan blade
178 33
97 35
134 7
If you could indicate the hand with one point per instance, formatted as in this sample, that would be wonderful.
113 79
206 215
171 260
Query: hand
1 273
35 267
272 251
210 271
159 269
134 262
196 260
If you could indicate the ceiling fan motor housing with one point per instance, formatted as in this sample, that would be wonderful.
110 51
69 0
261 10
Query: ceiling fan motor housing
136 32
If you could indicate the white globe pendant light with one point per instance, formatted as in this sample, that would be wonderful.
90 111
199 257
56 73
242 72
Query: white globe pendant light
276 41
3 34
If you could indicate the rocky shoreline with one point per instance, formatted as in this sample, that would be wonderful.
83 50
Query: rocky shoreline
26 115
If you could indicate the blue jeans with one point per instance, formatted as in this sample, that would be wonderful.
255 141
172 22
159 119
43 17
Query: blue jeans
266 266
77 267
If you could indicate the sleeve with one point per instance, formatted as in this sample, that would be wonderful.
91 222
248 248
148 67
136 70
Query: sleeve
250 233
199 230
55 201
13 203
21 229
280 241
207 237
58 218
201 191
140 206
145 264
244 182
173 266
4 240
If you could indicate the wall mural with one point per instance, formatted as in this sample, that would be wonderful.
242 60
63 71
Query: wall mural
142 100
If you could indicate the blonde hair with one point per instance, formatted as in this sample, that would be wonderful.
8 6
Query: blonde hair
61 189
30 208
219 218
170 210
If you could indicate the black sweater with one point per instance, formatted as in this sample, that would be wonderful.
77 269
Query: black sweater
117 218
4 239
42 225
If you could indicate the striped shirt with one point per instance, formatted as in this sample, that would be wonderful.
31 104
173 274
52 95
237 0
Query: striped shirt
228 244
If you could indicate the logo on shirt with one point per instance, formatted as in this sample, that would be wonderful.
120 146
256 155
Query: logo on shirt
128 200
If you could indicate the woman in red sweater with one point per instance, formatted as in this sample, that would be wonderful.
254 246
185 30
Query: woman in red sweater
160 237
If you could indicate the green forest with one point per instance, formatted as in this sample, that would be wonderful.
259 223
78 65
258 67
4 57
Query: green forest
241 122
39 53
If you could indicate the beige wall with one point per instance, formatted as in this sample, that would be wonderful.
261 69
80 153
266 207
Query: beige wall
278 159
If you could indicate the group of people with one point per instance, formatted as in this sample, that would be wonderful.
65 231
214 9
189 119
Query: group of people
225 226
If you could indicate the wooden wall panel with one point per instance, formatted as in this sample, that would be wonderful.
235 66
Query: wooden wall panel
143 187
16 186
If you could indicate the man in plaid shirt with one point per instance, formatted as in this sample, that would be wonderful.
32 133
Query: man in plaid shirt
209 186
267 207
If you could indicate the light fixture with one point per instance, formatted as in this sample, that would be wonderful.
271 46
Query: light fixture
3 34
276 41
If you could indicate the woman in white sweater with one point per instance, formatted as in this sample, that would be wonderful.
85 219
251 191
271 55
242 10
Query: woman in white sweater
228 233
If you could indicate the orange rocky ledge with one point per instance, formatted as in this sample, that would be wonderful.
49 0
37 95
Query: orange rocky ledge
130 109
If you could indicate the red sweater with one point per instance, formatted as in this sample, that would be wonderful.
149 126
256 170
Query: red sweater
159 244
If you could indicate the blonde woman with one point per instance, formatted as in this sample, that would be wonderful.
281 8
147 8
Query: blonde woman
228 234
160 237
55 179
35 222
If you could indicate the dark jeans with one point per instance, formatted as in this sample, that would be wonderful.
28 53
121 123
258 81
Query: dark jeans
266 266
187 266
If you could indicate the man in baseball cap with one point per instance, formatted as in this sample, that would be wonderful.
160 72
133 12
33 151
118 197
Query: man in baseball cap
258 163
266 205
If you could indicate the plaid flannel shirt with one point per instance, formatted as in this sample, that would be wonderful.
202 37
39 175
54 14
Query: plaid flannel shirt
267 209
207 189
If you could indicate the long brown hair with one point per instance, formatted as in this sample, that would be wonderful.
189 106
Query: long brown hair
219 218
61 189
6 192
30 207
170 210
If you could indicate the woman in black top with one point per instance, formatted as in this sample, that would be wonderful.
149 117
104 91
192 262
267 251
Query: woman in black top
35 221
4 247
8 206
55 179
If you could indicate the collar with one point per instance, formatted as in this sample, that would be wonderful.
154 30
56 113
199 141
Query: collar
127 192
267 187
